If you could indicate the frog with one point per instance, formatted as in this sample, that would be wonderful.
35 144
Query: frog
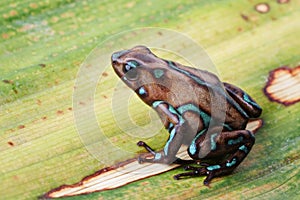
198 110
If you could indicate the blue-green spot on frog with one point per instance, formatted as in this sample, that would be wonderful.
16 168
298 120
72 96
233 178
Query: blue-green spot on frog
196 108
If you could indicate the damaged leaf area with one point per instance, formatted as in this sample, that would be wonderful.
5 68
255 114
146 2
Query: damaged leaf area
262 8
283 85
123 173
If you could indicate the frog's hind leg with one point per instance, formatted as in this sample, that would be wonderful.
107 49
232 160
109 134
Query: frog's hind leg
236 144
244 100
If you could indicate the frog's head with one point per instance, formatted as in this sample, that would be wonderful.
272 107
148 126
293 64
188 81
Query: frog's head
143 72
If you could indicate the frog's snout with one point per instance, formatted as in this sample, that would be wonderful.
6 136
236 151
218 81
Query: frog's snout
115 56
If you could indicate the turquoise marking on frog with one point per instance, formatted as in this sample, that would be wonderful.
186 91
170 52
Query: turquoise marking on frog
244 149
231 163
193 146
156 103
170 127
157 156
132 64
189 102
158 73
197 79
213 167
213 144
172 134
205 117
235 141
248 99
142 91
191 107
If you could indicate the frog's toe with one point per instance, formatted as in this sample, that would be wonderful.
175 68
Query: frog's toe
194 171
209 177
146 146
141 143
177 177
204 164
188 167
140 160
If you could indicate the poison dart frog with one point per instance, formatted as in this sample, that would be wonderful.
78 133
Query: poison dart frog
197 109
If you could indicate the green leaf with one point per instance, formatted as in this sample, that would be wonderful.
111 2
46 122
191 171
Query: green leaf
42 45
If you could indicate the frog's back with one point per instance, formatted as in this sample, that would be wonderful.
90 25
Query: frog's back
202 92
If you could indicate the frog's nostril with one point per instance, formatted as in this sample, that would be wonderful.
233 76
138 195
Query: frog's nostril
114 62
115 56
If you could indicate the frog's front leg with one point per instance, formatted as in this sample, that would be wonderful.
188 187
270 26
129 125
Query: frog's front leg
236 144
168 154
176 126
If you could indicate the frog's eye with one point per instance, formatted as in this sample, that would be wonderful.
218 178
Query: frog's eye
130 65
130 69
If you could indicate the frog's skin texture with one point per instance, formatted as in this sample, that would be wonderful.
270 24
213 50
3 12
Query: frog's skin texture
195 107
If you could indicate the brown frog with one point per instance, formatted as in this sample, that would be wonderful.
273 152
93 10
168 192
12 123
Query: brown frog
195 107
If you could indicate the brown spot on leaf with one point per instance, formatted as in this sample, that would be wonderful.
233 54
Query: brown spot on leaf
70 108
283 1
8 81
81 103
12 130
104 74
21 126
283 85
44 118
262 8
245 17
144 183
42 65
38 102
10 143
273 18
59 112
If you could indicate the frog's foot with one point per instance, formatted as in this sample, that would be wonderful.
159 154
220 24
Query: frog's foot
159 157
198 171
143 158
146 146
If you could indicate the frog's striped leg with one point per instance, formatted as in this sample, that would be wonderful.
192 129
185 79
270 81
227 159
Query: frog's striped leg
244 100
236 144
168 154
150 150
177 128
